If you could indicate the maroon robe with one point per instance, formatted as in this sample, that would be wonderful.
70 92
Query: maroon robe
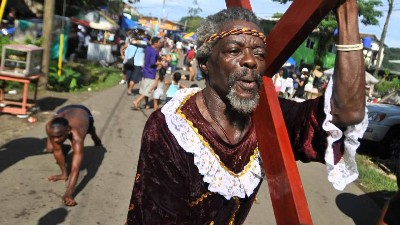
168 187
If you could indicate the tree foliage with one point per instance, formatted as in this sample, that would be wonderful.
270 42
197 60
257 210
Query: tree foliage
369 16
73 7
192 23
366 9
277 15
391 54
194 11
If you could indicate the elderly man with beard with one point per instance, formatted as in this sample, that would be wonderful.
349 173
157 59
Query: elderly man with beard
199 161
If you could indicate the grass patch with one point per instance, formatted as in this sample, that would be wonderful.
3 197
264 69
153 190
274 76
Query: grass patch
372 178
109 78
79 76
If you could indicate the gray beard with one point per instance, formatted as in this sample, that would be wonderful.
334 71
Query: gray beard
241 105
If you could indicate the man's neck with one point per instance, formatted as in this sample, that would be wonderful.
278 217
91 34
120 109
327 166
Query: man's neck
220 114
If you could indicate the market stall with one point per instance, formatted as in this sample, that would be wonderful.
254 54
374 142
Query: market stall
101 48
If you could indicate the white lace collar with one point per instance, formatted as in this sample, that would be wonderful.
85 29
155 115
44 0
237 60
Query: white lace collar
220 179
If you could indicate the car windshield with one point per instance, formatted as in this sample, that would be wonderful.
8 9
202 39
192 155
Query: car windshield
392 98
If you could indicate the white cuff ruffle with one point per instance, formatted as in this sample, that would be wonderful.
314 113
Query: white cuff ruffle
345 171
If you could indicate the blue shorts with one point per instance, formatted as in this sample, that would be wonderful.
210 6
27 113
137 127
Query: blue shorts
133 74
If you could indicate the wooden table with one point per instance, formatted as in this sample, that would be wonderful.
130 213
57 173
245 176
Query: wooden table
18 107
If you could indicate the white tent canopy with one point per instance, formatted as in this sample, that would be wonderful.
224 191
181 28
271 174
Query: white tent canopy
96 20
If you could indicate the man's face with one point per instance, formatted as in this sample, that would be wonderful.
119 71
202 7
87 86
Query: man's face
58 134
235 67
159 44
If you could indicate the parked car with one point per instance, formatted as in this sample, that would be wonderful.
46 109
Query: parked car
384 124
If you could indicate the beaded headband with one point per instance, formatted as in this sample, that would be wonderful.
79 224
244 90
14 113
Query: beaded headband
237 31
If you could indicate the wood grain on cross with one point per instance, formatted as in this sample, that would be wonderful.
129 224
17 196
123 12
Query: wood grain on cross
285 187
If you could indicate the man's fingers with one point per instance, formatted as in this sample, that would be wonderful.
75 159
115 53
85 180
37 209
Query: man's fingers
69 202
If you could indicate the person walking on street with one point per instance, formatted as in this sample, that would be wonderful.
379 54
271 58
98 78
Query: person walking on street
190 56
133 62
301 81
122 49
174 59
151 64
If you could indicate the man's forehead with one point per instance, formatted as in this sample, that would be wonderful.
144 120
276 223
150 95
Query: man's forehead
58 129
57 133
239 24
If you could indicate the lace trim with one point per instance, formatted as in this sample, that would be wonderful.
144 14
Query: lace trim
205 143
220 179
345 171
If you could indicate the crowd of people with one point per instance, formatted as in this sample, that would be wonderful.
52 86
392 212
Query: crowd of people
199 159
147 60
301 85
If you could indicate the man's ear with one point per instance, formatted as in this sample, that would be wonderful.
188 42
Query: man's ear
204 68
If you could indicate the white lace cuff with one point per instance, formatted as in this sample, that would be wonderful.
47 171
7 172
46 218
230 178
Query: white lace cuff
345 171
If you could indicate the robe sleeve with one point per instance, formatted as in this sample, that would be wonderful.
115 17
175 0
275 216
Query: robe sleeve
160 193
314 137
304 125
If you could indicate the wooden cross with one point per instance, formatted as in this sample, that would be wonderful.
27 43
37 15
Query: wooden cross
285 187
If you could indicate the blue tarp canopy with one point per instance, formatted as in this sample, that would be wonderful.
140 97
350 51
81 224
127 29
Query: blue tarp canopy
130 24
291 61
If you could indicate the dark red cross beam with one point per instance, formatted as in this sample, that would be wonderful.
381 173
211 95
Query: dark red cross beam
286 190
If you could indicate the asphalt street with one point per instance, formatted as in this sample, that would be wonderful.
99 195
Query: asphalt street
106 177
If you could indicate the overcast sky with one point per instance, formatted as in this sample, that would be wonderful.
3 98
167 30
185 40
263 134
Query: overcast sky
176 9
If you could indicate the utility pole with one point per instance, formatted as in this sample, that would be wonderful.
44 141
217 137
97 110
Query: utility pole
47 29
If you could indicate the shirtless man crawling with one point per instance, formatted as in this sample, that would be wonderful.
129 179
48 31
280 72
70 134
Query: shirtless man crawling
71 122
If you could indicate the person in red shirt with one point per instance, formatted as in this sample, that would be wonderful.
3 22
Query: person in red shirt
190 56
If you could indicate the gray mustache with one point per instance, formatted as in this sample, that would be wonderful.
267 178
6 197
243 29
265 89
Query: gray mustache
243 72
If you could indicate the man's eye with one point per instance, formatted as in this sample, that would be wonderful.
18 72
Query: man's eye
259 55
234 51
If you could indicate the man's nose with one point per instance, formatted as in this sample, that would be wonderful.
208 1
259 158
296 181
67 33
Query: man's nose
248 59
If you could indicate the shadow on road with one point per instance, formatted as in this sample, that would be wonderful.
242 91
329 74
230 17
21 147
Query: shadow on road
50 103
93 157
359 207
54 217
19 149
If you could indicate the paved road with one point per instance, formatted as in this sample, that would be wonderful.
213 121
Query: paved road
107 175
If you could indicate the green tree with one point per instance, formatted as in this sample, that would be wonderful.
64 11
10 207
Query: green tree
192 23
277 15
195 10
326 28
391 54
73 7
